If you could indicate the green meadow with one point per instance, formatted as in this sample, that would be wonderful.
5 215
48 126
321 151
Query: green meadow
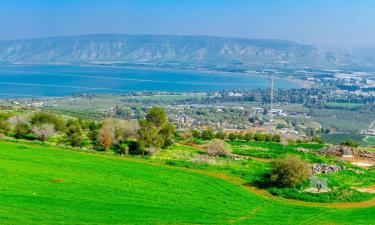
47 185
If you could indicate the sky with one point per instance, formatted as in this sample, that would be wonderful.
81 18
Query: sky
333 23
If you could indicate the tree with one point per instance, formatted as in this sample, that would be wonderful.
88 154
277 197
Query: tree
167 133
157 116
21 130
232 136
218 147
240 136
276 138
196 134
249 136
5 126
268 137
74 133
44 131
290 171
40 118
221 135
208 134
155 131
106 135
149 136
259 137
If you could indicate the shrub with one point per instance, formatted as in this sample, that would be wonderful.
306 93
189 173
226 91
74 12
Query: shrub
249 136
350 143
221 135
232 136
218 147
259 137
5 126
290 171
208 134
21 130
317 139
276 138
196 134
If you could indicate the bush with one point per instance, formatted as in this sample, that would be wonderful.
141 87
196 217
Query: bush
317 139
21 130
276 138
290 171
249 136
218 147
232 136
350 143
259 137
208 134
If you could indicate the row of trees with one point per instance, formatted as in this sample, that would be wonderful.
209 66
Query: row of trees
152 132
210 134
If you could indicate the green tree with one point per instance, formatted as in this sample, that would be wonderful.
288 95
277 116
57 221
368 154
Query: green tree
232 136
21 130
157 116
249 136
74 133
149 136
40 118
5 126
221 135
167 133
208 134
259 137
276 138
155 131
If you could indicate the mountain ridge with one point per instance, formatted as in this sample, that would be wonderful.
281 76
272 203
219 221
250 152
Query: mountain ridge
164 49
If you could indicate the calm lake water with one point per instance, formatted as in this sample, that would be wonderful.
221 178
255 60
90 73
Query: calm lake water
34 81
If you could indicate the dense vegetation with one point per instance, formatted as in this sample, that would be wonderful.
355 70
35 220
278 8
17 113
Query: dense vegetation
263 160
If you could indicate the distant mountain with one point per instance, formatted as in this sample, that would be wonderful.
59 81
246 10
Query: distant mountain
163 50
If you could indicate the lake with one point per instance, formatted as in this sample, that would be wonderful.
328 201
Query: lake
48 81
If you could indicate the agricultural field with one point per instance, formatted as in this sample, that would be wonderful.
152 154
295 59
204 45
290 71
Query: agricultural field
44 185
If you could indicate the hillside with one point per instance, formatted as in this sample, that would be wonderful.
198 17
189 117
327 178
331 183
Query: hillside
43 185
193 51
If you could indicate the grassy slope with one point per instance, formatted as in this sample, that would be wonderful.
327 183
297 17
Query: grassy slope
98 190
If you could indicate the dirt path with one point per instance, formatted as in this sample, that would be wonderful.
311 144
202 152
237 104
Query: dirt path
234 180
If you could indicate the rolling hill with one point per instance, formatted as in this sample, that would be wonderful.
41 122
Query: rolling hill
195 51
45 185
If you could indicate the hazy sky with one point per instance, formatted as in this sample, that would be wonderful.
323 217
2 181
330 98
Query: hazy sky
319 22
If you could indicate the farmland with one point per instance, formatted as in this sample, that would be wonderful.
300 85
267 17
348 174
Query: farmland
47 184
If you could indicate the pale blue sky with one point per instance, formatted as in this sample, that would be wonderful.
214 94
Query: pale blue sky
319 22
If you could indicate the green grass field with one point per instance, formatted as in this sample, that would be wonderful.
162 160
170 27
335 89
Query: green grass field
42 185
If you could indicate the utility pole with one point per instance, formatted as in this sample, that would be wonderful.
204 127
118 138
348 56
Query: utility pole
271 102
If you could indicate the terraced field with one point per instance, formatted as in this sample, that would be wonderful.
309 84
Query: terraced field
44 185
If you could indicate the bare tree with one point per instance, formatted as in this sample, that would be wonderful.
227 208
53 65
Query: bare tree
106 135
218 147
44 131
